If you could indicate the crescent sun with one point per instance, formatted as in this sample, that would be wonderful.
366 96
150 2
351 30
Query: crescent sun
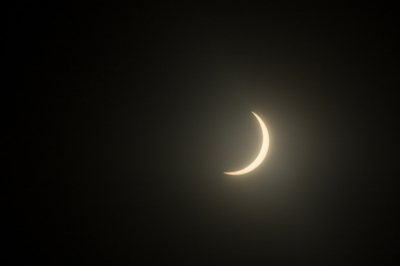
263 152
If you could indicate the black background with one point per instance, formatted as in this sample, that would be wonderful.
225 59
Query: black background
120 120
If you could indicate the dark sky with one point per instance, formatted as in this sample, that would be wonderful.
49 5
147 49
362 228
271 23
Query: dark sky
120 120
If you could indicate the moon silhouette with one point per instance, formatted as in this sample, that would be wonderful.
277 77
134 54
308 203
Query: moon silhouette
261 156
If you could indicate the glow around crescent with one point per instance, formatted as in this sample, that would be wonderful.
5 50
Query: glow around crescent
261 155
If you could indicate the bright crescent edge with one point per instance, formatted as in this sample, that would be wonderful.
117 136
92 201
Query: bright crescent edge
261 156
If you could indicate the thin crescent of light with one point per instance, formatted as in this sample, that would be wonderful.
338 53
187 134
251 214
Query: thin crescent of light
261 155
